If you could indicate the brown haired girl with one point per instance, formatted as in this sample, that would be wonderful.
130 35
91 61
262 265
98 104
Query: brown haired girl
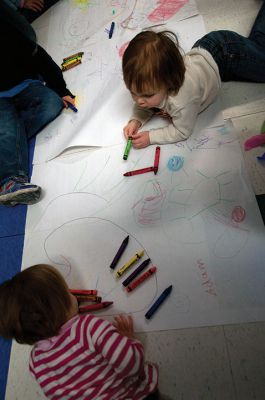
77 356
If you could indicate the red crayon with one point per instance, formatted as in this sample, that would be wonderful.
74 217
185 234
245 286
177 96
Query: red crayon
95 307
84 292
139 171
90 297
141 279
156 163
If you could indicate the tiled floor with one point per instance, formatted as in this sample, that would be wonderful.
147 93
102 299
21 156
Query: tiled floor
211 363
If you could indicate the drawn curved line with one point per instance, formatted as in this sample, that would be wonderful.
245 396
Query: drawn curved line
118 226
62 195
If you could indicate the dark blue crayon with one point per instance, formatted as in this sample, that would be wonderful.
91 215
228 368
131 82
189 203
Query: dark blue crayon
158 302
111 29
119 252
70 105
136 272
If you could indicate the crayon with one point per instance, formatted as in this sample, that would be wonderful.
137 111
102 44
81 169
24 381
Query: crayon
95 307
136 272
71 106
71 65
83 298
158 302
139 171
141 279
67 63
119 252
127 148
135 258
156 163
83 291
111 29
74 55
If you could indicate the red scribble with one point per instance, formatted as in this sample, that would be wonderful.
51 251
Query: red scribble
207 283
238 214
166 9
122 49
148 209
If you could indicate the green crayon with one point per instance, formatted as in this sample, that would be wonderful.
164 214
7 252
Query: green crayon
127 148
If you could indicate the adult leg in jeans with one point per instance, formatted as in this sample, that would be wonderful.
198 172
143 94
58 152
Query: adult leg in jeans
238 58
21 118
13 141
38 105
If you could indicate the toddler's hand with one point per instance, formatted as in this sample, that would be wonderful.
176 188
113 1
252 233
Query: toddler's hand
131 128
68 99
140 140
124 325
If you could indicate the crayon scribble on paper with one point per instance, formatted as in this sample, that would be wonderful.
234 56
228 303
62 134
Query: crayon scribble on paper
165 10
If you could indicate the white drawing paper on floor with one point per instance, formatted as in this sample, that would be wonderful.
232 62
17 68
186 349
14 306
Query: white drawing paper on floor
197 220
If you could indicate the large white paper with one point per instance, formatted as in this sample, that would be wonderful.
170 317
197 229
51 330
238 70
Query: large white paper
197 220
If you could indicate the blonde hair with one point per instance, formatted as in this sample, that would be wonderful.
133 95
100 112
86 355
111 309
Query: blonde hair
34 304
153 61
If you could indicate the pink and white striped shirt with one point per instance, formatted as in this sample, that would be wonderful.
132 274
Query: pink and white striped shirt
90 360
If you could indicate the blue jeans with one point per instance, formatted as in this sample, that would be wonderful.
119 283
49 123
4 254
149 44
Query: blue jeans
22 117
238 58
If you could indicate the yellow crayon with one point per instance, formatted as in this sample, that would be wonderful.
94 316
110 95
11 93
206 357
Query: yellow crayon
68 66
65 63
135 258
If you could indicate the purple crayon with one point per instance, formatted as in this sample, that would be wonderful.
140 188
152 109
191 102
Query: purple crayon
119 253
134 274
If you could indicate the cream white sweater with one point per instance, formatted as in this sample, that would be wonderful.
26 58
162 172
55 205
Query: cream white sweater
200 88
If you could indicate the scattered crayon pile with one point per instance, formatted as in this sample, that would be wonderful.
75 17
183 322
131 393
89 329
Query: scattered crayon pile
132 281
90 299
72 61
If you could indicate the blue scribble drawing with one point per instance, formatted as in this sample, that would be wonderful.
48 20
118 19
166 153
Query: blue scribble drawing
175 163
223 130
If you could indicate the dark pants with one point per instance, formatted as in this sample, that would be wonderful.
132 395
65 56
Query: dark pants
22 117
238 58
32 15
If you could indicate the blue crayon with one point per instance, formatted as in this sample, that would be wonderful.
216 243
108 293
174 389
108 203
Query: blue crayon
70 105
158 302
111 29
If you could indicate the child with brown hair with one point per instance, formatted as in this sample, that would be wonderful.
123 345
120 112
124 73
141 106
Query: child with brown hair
162 80
74 356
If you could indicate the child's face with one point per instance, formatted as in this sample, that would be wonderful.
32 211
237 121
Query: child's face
150 99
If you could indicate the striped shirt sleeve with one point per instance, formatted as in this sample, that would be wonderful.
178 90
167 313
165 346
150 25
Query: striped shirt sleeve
126 355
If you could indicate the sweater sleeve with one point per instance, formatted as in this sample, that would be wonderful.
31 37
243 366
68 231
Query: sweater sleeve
183 122
124 354
50 72
141 114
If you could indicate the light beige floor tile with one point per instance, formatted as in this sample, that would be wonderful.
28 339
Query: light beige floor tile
246 348
193 363
21 385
